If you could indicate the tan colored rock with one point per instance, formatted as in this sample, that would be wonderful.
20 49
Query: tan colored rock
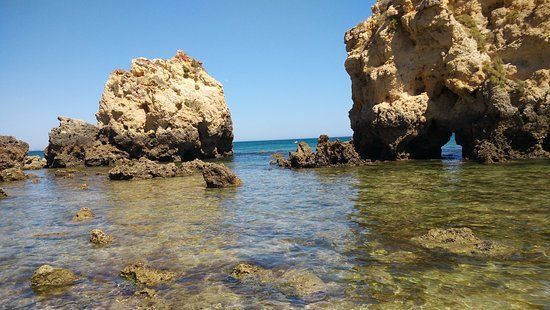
145 275
422 70
166 109
34 163
3 194
97 236
12 152
12 174
48 277
83 214
219 176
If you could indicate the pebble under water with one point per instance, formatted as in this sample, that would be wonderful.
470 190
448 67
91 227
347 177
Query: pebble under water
352 227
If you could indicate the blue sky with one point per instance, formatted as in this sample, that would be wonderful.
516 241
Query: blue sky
281 61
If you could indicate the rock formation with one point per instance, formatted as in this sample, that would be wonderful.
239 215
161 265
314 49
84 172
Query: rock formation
328 153
424 69
166 110
145 275
148 169
34 163
83 214
47 277
219 176
3 194
97 236
12 158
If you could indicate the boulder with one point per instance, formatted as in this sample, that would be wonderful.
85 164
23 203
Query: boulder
12 174
76 143
219 176
145 275
97 236
48 277
34 163
3 194
461 241
83 214
328 154
12 152
422 72
166 110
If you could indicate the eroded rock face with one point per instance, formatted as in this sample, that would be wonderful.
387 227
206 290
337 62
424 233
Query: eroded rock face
12 152
461 241
34 163
12 174
423 69
76 143
97 236
48 277
145 275
328 153
166 110
148 169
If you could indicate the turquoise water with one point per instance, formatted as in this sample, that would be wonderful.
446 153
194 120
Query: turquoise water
352 227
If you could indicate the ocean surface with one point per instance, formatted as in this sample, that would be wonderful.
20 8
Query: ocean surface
352 227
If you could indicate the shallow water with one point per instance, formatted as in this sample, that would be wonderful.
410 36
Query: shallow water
350 226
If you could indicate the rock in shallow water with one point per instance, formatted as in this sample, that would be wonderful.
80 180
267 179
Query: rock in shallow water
461 241
145 275
3 194
148 169
83 214
422 72
34 163
97 236
328 153
12 174
219 176
48 277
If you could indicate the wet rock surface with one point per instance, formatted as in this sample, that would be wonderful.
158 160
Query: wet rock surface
12 174
143 274
461 241
47 277
34 163
3 194
98 237
148 169
219 176
12 152
83 214
328 154
293 283
421 71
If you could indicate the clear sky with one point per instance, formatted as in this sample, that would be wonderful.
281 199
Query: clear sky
281 61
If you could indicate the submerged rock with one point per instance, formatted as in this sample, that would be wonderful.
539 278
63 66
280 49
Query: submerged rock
219 176
328 153
76 143
424 70
3 194
48 277
34 163
83 214
12 174
145 275
461 241
298 283
97 236
84 186
67 174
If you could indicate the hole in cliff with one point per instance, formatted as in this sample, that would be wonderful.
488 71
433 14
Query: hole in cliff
451 150
521 140
428 145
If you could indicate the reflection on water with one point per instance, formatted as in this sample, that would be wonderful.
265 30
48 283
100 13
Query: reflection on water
351 227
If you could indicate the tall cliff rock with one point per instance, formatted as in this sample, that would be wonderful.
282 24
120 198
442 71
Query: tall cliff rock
422 70
166 109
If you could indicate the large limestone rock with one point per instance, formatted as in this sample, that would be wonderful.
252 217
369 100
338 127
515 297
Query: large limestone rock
77 143
423 69
47 277
166 110
12 158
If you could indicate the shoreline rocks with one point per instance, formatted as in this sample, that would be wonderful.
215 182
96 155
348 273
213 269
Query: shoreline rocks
47 277
423 72
461 241
143 274
3 194
148 169
34 163
98 237
219 176
328 154
12 158
83 214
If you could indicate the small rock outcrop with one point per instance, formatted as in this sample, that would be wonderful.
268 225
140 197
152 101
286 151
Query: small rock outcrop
83 214
97 236
12 158
3 194
145 275
328 154
219 176
47 277
461 241
76 143
422 70
34 163
166 110
148 169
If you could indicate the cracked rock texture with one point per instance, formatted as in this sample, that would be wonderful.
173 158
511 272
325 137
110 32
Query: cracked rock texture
422 70
167 110
12 158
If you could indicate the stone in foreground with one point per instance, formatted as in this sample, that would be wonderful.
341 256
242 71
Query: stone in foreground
48 277
461 241
34 163
83 214
423 70
145 275
97 236
12 174
219 176
328 154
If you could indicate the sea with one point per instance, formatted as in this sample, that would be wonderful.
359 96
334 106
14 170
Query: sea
353 228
